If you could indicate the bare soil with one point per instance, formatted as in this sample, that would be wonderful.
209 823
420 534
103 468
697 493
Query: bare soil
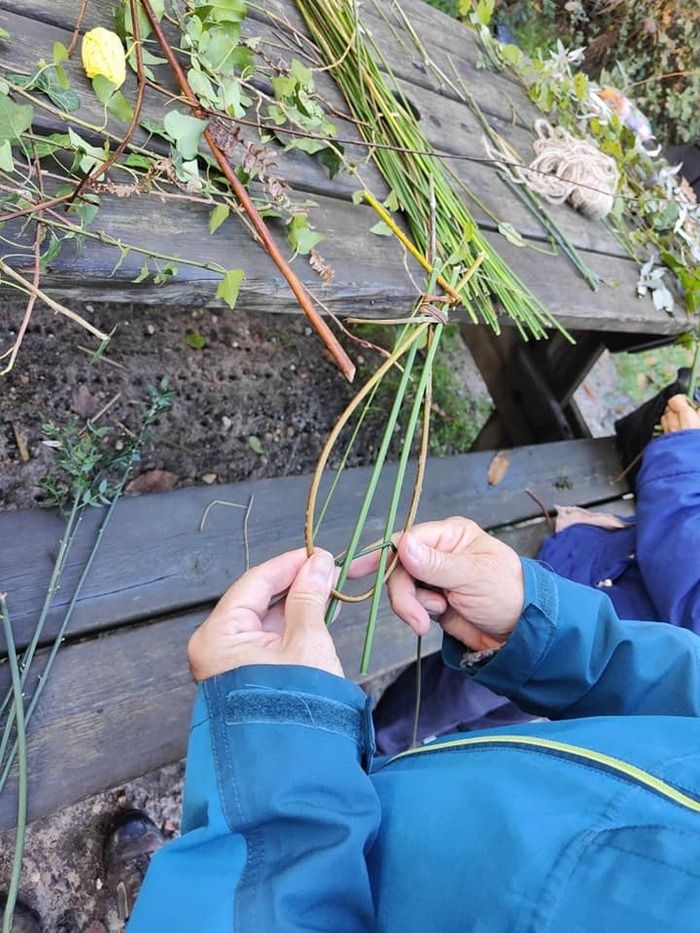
261 377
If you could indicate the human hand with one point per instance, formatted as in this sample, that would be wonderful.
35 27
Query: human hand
679 415
247 626
475 582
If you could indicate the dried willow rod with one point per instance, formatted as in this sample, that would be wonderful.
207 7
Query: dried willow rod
408 343
345 364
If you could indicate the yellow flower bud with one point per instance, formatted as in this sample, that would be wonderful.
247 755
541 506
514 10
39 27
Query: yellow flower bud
103 54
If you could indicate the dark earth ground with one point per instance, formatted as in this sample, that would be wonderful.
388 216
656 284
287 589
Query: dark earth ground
262 377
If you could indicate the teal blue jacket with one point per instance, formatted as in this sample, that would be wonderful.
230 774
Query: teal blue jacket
590 822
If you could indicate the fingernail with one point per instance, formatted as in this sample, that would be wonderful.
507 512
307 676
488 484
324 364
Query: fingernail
435 606
321 567
414 548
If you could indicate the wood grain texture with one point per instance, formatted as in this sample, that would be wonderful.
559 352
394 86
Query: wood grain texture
131 712
369 270
154 561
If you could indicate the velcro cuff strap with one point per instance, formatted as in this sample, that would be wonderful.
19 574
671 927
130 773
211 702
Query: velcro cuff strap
299 709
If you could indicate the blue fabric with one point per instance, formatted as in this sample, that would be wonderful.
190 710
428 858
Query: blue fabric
284 829
653 564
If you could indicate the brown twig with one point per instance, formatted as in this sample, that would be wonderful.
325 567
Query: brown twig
331 342
135 116
543 508
41 206
36 277
76 29
32 289
630 466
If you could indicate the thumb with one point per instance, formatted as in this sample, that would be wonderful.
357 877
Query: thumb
308 595
429 565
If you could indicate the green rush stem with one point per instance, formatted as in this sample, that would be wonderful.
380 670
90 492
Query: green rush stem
21 744
376 471
28 655
43 677
396 495
419 689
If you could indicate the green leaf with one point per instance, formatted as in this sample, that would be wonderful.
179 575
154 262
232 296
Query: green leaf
143 274
283 86
229 286
186 131
302 75
7 163
301 237
358 196
59 52
15 119
202 86
120 107
511 234
136 160
581 86
329 157
226 11
124 13
381 229
392 202
255 445
217 217
4 34
195 340
103 88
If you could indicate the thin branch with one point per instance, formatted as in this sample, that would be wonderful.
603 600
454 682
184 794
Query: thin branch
136 114
30 303
76 28
331 342
32 289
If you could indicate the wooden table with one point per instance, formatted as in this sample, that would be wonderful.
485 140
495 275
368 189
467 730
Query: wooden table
370 276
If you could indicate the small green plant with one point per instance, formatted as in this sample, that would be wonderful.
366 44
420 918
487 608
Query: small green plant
94 474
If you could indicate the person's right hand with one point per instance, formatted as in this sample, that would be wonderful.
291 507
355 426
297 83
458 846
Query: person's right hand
679 415
474 582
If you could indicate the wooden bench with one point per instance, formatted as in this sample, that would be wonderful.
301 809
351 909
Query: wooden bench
118 701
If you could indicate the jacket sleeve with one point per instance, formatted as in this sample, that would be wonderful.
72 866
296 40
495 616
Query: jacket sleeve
668 527
571 656
278 811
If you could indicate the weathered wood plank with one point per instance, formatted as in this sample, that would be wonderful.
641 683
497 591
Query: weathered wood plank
375 277
119 705
131 711
154 560
449 126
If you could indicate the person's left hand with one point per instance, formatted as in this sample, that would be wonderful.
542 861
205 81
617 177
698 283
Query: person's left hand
247 626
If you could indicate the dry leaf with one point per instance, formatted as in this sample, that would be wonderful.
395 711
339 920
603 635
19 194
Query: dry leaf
84 402
21 441
498 468
321 266
152 481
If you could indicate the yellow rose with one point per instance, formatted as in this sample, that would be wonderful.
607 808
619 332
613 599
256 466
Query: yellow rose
103 54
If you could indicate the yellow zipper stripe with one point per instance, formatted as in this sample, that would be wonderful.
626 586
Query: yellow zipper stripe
615 764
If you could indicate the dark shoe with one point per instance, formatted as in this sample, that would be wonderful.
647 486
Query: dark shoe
25 920
635 430
131 839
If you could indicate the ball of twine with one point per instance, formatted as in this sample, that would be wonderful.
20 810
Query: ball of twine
566 168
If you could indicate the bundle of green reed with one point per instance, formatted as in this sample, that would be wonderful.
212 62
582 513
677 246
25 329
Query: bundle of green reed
385 117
